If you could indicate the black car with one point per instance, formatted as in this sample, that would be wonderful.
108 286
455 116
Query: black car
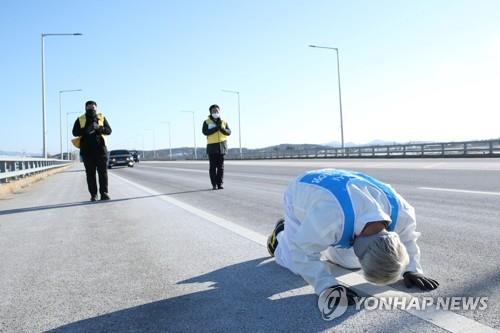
135 155
120 157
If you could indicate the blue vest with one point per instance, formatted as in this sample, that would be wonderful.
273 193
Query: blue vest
335 181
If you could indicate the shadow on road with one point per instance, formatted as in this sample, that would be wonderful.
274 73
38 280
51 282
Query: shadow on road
85 203
238 301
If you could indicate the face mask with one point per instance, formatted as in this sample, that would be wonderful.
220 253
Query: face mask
215 115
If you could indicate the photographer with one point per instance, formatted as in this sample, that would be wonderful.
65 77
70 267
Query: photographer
217 130
91 128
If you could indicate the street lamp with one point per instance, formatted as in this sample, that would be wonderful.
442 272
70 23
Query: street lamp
137 143
194 134
154 141
239 116
60 118
44 124
143 146
130 143
132 140
67 132
169 137
340 95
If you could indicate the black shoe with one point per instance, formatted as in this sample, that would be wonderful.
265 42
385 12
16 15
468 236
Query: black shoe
104 196
272 241
93 197
213 187
219 187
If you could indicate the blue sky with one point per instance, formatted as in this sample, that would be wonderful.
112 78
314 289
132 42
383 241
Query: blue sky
426 70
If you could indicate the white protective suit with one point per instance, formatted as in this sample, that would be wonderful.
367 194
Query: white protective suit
316 216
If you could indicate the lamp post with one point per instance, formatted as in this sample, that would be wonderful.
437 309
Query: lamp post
340 95
60 118
143 146
194 135
169 138
44 119
137 143
67 132
154 141
239 117
130 143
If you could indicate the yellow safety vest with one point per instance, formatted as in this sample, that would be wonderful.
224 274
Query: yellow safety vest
83 121
217 136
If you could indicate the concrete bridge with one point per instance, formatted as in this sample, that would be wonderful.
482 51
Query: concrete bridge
168 254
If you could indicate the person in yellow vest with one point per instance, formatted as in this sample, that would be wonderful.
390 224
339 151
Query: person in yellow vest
217 130
91 128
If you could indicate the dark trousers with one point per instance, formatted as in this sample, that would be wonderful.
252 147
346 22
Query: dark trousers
92 164
216 168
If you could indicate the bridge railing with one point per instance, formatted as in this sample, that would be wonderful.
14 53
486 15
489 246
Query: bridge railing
12 168
486 148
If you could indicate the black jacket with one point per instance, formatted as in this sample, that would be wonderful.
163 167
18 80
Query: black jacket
91 142
220 147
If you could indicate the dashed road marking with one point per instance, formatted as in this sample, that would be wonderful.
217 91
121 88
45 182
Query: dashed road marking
457 190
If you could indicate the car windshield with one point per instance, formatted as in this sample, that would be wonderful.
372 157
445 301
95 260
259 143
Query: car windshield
119 152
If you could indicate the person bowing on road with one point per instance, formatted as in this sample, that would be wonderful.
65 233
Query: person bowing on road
352 220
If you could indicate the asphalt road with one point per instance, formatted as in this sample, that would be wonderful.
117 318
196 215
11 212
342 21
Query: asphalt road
138 263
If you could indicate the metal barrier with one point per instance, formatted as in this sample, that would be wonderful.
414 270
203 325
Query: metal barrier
12 168
486 148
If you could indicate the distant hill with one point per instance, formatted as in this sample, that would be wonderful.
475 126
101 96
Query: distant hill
15 153
353 144
9 153
289 146
18 154
372 143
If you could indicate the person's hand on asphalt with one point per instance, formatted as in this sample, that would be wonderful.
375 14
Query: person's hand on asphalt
419 280
328 293
333 301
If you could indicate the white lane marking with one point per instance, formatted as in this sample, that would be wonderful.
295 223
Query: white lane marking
181 169
237 174
433 165
170 168
447 320
242 231
457 190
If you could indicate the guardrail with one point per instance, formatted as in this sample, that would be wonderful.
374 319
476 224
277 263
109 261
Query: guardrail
487 148
16 168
